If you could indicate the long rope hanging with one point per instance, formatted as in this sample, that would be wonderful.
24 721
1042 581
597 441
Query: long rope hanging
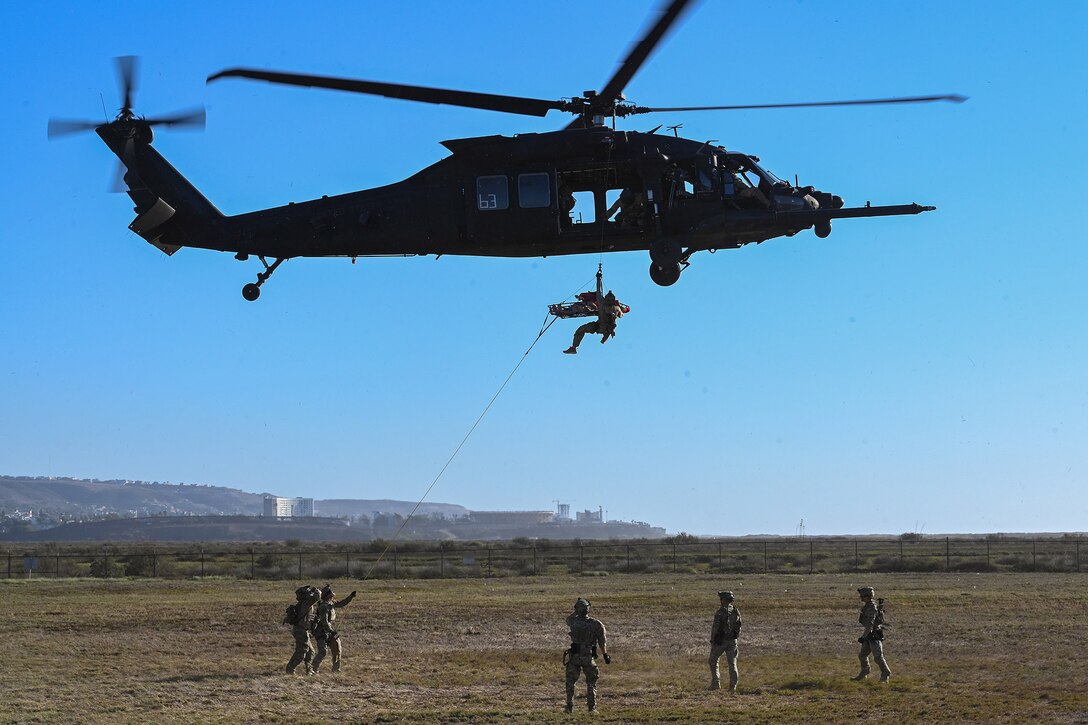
544 328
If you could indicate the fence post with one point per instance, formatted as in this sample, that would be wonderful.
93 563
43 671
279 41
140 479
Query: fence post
1033 554
811 558
900 553
300 564
202 565
629 559
394 562
534 560
9 565
987 553
154 565
674 557
857 566
488 561
765 568
947 555
1078 555
106 570
719 556
57 575
581 559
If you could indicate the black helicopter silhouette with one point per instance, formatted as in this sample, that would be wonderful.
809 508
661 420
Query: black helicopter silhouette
587 188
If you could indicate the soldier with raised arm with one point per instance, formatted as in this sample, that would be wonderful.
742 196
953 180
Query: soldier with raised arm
328 639
586 636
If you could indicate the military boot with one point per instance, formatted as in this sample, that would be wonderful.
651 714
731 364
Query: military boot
569 707
864 674
885 676
572 350
715 685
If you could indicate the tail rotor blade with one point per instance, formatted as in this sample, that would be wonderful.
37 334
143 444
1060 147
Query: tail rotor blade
193 117
117 184
64 127
126 72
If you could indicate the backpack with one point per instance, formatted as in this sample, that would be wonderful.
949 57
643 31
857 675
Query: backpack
291 615
879 620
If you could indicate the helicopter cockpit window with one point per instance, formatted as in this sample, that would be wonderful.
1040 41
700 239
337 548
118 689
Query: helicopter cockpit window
534 191
492 192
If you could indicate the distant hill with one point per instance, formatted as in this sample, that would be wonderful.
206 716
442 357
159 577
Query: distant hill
80 497
197 528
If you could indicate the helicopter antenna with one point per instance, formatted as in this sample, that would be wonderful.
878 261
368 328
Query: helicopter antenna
675 129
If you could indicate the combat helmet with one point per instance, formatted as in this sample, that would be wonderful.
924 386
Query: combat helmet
866 591
726 595
326 592
581 606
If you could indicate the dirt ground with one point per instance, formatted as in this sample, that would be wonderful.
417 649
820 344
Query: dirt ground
963 648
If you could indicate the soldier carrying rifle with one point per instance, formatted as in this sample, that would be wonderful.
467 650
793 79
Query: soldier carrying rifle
872 639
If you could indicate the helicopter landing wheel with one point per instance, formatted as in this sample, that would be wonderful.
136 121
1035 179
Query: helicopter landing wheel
253 290
665 275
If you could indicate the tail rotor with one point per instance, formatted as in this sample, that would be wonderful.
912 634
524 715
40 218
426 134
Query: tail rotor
127 73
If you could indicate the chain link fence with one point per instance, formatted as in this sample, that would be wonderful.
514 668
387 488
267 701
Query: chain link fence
431 560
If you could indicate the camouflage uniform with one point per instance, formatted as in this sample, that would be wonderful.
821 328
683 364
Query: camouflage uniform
308 598
586 635
608 311
328 639
723 640
872 639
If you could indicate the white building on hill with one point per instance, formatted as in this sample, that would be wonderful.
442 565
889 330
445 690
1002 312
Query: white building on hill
279 507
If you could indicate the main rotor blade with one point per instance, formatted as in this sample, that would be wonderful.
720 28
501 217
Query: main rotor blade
191 117
126 71
954 98
63 126
468 99
638 55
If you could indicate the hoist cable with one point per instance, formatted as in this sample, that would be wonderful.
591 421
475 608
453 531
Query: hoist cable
544 328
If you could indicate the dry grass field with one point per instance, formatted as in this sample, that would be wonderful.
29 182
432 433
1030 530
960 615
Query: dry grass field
998 648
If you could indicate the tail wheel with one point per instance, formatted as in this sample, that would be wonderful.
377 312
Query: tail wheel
251 292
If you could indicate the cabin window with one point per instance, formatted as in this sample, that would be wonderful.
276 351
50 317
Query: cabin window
492 192
534 191
584 210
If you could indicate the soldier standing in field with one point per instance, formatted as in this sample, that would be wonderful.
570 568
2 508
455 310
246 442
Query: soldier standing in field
723 640
872 639
586 635
325 634
300 616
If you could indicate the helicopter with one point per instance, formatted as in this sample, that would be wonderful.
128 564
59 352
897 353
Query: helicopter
585 188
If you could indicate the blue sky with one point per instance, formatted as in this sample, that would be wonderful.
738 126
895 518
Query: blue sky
907 374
